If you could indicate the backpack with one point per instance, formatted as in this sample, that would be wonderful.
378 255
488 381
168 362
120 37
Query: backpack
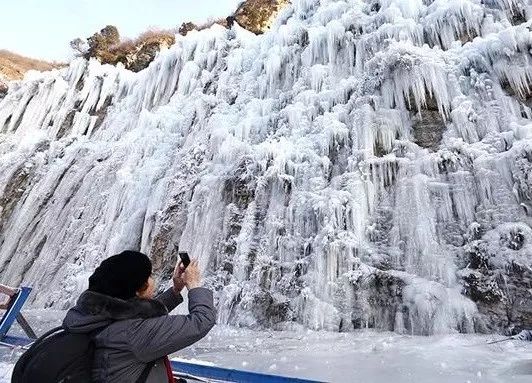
60 356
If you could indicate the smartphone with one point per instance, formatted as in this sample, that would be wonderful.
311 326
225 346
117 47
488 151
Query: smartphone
184 258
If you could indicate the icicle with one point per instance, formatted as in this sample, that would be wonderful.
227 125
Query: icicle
284 162
407 8
335 35
414 73
435 309
464 118
447 21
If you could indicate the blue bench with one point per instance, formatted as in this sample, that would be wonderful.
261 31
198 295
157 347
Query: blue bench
13 314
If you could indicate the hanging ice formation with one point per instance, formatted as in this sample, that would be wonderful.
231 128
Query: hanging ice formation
364 163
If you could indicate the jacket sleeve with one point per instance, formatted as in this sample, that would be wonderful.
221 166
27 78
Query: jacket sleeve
154 338
170 299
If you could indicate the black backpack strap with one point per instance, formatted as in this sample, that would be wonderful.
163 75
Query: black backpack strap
46 335
142 378
52 331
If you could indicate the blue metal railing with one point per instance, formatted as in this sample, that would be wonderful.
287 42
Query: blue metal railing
230 375
13 310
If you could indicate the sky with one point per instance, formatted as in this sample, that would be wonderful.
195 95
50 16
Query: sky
43 28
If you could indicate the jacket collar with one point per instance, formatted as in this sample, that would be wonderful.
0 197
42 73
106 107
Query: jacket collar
93 303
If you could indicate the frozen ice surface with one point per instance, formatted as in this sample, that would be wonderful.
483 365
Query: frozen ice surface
360 356
367 356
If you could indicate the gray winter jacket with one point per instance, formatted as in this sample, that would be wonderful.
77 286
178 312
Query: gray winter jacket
138 331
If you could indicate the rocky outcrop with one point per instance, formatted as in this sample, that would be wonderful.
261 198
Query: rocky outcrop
189 26
16 185
428 125
522 94
107 47
498 277
145 52
256 16
387 300
103 44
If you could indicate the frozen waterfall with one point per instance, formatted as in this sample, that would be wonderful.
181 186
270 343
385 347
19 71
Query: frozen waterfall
364 163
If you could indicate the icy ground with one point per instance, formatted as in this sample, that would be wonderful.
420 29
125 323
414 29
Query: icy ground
368 356
360 356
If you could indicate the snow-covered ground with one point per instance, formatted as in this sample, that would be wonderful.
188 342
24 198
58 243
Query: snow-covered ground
360 356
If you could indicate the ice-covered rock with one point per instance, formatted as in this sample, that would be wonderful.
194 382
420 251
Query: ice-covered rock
362 164
3 87
498 273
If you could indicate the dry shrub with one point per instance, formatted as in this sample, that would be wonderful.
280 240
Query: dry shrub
125 50
189 26
155 35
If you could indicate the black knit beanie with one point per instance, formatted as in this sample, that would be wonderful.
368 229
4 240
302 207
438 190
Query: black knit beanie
121 275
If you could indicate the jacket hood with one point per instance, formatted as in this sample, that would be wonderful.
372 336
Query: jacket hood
95 311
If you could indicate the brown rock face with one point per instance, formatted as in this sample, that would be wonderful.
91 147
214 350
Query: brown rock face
101 42
258 15
428 125
146 51
187 27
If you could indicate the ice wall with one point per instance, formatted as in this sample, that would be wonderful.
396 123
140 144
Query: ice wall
364 163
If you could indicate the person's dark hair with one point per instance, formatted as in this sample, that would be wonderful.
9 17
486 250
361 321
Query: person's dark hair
121 275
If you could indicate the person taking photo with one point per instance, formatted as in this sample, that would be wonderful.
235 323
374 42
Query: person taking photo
132 330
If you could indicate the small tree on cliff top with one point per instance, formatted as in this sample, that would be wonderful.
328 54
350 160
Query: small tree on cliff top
100 42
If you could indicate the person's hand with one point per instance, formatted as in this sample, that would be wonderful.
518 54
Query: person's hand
177 277
192 275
